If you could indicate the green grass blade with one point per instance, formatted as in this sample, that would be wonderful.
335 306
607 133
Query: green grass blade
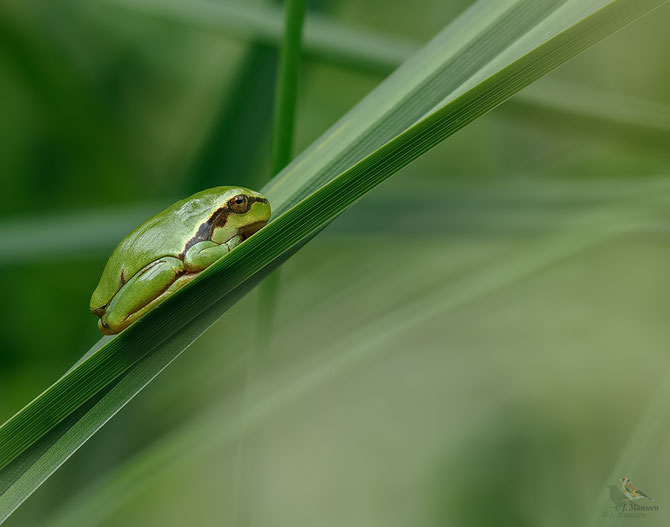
240 128
282 142
483 58
282 151
287 86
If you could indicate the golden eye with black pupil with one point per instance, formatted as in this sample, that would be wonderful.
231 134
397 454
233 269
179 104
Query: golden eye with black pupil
239 204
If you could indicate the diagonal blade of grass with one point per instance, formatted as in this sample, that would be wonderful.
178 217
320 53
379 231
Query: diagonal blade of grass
545 40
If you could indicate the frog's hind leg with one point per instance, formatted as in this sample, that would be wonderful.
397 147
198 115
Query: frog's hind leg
176 285
148 287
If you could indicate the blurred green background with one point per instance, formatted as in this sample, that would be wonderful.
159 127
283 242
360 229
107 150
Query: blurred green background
493 356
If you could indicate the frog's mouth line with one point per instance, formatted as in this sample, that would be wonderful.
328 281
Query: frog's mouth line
251 229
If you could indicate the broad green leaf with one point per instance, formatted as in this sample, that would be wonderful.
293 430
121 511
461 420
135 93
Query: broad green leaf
489 53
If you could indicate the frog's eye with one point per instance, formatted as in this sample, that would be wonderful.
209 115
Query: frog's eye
239 204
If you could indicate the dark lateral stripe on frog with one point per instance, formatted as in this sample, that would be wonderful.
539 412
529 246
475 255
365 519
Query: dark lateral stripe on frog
217 219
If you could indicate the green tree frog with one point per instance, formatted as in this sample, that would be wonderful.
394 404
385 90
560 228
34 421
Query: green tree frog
171 248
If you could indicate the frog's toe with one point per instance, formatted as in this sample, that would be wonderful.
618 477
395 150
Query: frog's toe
105 329
113 322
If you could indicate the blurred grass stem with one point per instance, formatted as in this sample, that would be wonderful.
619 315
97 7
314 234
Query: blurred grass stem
282 144
282 149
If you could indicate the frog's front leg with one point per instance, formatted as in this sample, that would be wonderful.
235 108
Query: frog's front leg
203 254
146 286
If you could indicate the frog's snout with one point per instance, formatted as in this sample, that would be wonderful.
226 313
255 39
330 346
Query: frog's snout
258 216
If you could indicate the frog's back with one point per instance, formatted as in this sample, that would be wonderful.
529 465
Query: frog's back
161 235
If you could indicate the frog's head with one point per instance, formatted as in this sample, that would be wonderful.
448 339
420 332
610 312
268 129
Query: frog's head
243 211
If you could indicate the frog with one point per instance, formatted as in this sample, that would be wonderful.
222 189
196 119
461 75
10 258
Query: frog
170 249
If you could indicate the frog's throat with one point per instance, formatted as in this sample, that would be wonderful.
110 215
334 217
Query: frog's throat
252 228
